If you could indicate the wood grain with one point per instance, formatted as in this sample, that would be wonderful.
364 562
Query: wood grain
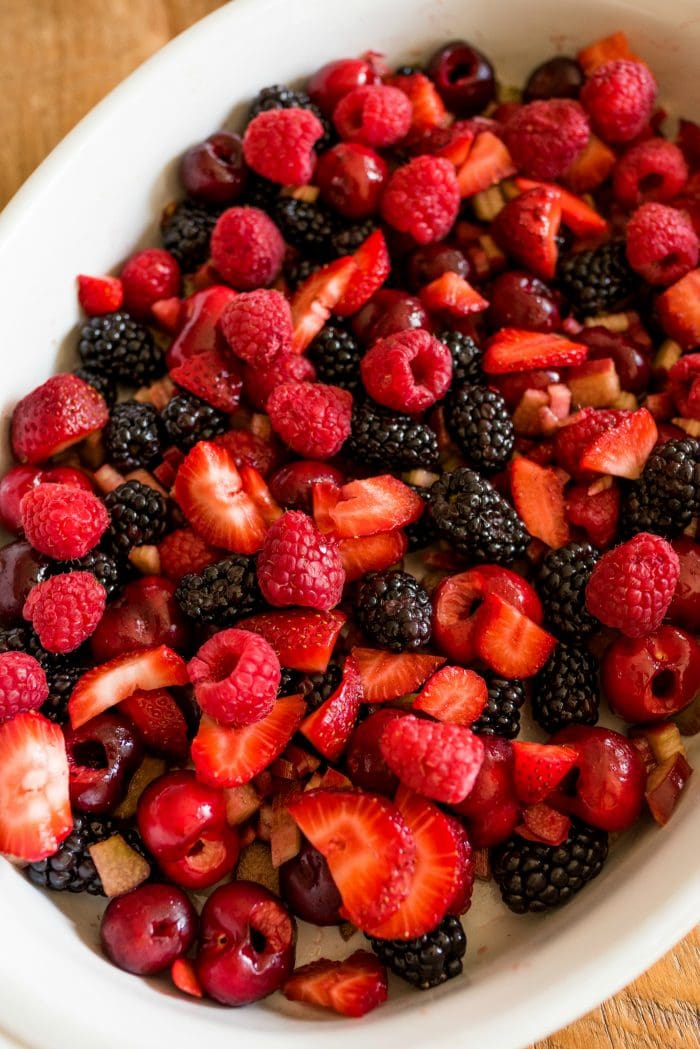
57 59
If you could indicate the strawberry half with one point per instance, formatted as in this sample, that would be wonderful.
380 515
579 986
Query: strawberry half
453 694
330 726
543 823
302 639
591 167
508 642
452 294
527 227
372 553
514 350
428 108
184 976
386 676
159 720
211 377
679 310
488 162
538 496
100 295
373 267
108 684
622 450
539 768
35 812
369 506
315 299
580 217
199 333
54 416
352 988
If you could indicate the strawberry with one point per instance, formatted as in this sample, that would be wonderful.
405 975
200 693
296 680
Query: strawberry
386 676
452 294
679 310
200 328
623 450
462 899
459 144
538 496
168 314
591 167
580 217
35 813
372 553
317 297
543 823
597 514
109 683
352 988
230 757
428 108
324 496
370 851
571 440
366 507
302 639
330 726
508 642
211 377
513 350
159 720
184 976
539 768
607 49
453 694
373 268
527 227
488 162
99 295
54 416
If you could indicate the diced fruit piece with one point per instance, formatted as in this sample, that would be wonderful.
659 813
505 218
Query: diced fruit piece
543 823
679 310
607 49
241 803
665 785
212 377
376 504
538 496
488 162
539 768
580 217
452 294
120 867
149 770
372 553
515 350
302 639
285 836
527 229
453 694
591 167
624 449
595 384
352 988
184 976
491 808
373 268
315 299
330 726
99 295
159 720
508 642
200 331
386 676
664 740
108 684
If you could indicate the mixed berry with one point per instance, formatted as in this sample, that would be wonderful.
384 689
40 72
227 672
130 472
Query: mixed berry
406 452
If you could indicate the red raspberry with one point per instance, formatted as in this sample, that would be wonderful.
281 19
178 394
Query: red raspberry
684 383
571 441
22 684
631 587
408 371
313 419
183 551
422 199
257 325
63 522
259 383
279 145
148 276
98 295
247 249
236 675
619 98
247 448
654 170
299 566
54 416
373 115
661 243
436 759
65 610
544 138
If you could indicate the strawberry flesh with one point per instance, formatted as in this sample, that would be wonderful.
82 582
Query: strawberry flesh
372 553
453 694
515 350
527 229
538 496
317 297
330 726
108 684
366 507
386 676
302 639
539 768
508 642
351 988
373 267
623 450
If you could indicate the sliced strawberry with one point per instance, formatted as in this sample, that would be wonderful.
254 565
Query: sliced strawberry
324 495
459 144
508 642
302 639
591 167
372 505
513 350
387 676
539 768
212 377
597 514
679 310
255 487
580 217
451 293
200 329
623 450
538 496
428 108
54 416
571 440
168 314
543 823
372 553
373 268
184 976
462 898
35 813
607 49
317 297
453 694
230 757
527 227
352 988
99 295
488 162
330 726
159 720
370 851
108 684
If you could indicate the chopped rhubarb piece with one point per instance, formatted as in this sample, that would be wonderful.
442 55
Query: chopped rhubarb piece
241 803
488 162
514 350
623 450
285 836
386 676
315 299
508 642
595 384
679 310
451 293
453 694
538 496
539 768
120 867
665 784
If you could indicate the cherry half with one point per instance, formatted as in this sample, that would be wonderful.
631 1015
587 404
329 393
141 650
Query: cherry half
651 678
307 887
490 808
102 755
351 178
214 170
464 78
19 570
684 610
146 613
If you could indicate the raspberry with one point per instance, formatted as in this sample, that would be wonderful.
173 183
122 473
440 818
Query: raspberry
313 419
148 276
22 684
299 566
247 449
257 325
684 384
98 295
182 552
247 249
408 371
619 99
65 610
631 586
654 170
571 441
373 115
259 383
61 521
436 759
422 199
279 145
544 138
661 244
235 675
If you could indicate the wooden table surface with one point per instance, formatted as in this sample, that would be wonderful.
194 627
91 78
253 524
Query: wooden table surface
57 59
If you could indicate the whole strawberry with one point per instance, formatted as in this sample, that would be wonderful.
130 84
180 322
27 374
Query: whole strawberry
631 587
299 566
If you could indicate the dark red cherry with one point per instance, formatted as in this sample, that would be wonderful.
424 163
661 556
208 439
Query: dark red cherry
684 610
464 78
632 366
292 485
145 930
329 83
558 77
308 889
146 613
491 809
364 761
387 312
19 569
351 179
427 263
214 170
651 678
102 755
512 387
519 300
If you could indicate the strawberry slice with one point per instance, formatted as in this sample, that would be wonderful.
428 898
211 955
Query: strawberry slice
372 505
108 684
538 496
527 229
211 377
539 768
387 676
451 293
99 295
168 314
591 167
199 333
315 299
488 162
597 514
373 268
580 217
324 496
462 899
230 757
55 416
159 720
453 694
622 450
330 726
508 642
255 487
35 813
514 350
543 823
679 310
302 639
372 553
184 976
607 49
428 108
459 144
352 988
370 851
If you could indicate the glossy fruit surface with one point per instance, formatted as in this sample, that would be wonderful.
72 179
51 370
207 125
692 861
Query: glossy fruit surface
651 678
684 610
464 78
364 761
214 170
19 567
145 930
519 300
146 613
351 178
491 809
387 312
308 889
102 756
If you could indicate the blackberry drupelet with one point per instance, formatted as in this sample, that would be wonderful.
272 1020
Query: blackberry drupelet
289 682
536 877
348 239
479 422
390 441
394 610
61 682
121 348
308 227
15 639
221 593
260 193
132 436
138 515
186 229
428 961
279 96
102 565
501 715
100 382
297 270
475 519
597 281
561 584
666 497
188 419
336 354
317 688
565 691
466 358
71 868
423 531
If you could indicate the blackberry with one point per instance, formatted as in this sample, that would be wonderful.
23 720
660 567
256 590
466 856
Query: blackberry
347 240
71 868
479 421
466 358
298 270
666 497
132 436
535 877
23 639
121 348
394 610
561 583
100 382
565 691
188 419
186 229
221 593
317 688
308 227
388 440
428 961
279 96
15 639
289 682
61 683
501 715
423 531
138 516
597 281
102 565
260 193
475 519
336 355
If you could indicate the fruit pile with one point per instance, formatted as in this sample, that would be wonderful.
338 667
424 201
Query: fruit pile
406 311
